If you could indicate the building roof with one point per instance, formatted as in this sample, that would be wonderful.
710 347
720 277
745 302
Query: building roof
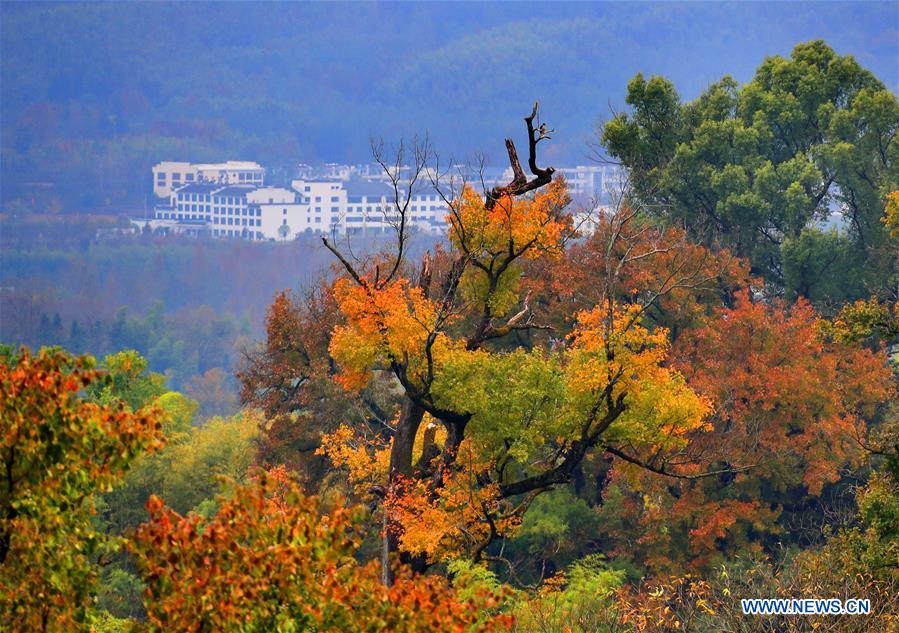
235 190
169 164
231 164
319 181
198 187
368 188
216 188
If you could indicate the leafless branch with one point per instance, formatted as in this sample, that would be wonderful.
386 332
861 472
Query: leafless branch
520 184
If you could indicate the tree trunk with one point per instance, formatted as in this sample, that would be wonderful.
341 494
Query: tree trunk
400 466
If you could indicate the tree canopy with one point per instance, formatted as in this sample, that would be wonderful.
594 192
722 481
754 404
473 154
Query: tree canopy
759 167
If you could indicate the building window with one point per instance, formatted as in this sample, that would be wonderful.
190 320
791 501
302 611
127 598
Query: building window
334 199
318 198
284 211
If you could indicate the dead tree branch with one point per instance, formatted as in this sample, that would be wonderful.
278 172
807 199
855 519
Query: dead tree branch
520 184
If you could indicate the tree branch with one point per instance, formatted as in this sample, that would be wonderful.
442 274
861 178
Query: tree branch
662 471
520 184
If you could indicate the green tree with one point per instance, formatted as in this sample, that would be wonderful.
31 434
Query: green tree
189 470
817 265
128 381
193 468
753 166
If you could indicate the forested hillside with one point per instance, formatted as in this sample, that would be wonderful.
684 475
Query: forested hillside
190 307
99 92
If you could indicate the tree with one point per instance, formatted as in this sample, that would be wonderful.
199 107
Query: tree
816 265
891 214
291 380
631 255
188 472
193 469
272 561
877 317
752 167
789 419
516 419
582 599
127 381
58 451
212 391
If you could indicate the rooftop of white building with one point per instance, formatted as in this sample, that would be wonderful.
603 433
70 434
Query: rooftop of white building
217 188
231 164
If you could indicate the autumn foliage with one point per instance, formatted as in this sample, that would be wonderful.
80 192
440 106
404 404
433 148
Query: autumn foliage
787 418
517 419
272 559
57 451
618 419
891 214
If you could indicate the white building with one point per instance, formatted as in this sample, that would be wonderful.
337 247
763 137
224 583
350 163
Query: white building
273 213
368 206
225 210
229 200
279 214
170 175
326 199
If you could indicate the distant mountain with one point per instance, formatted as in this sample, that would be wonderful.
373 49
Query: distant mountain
93 94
